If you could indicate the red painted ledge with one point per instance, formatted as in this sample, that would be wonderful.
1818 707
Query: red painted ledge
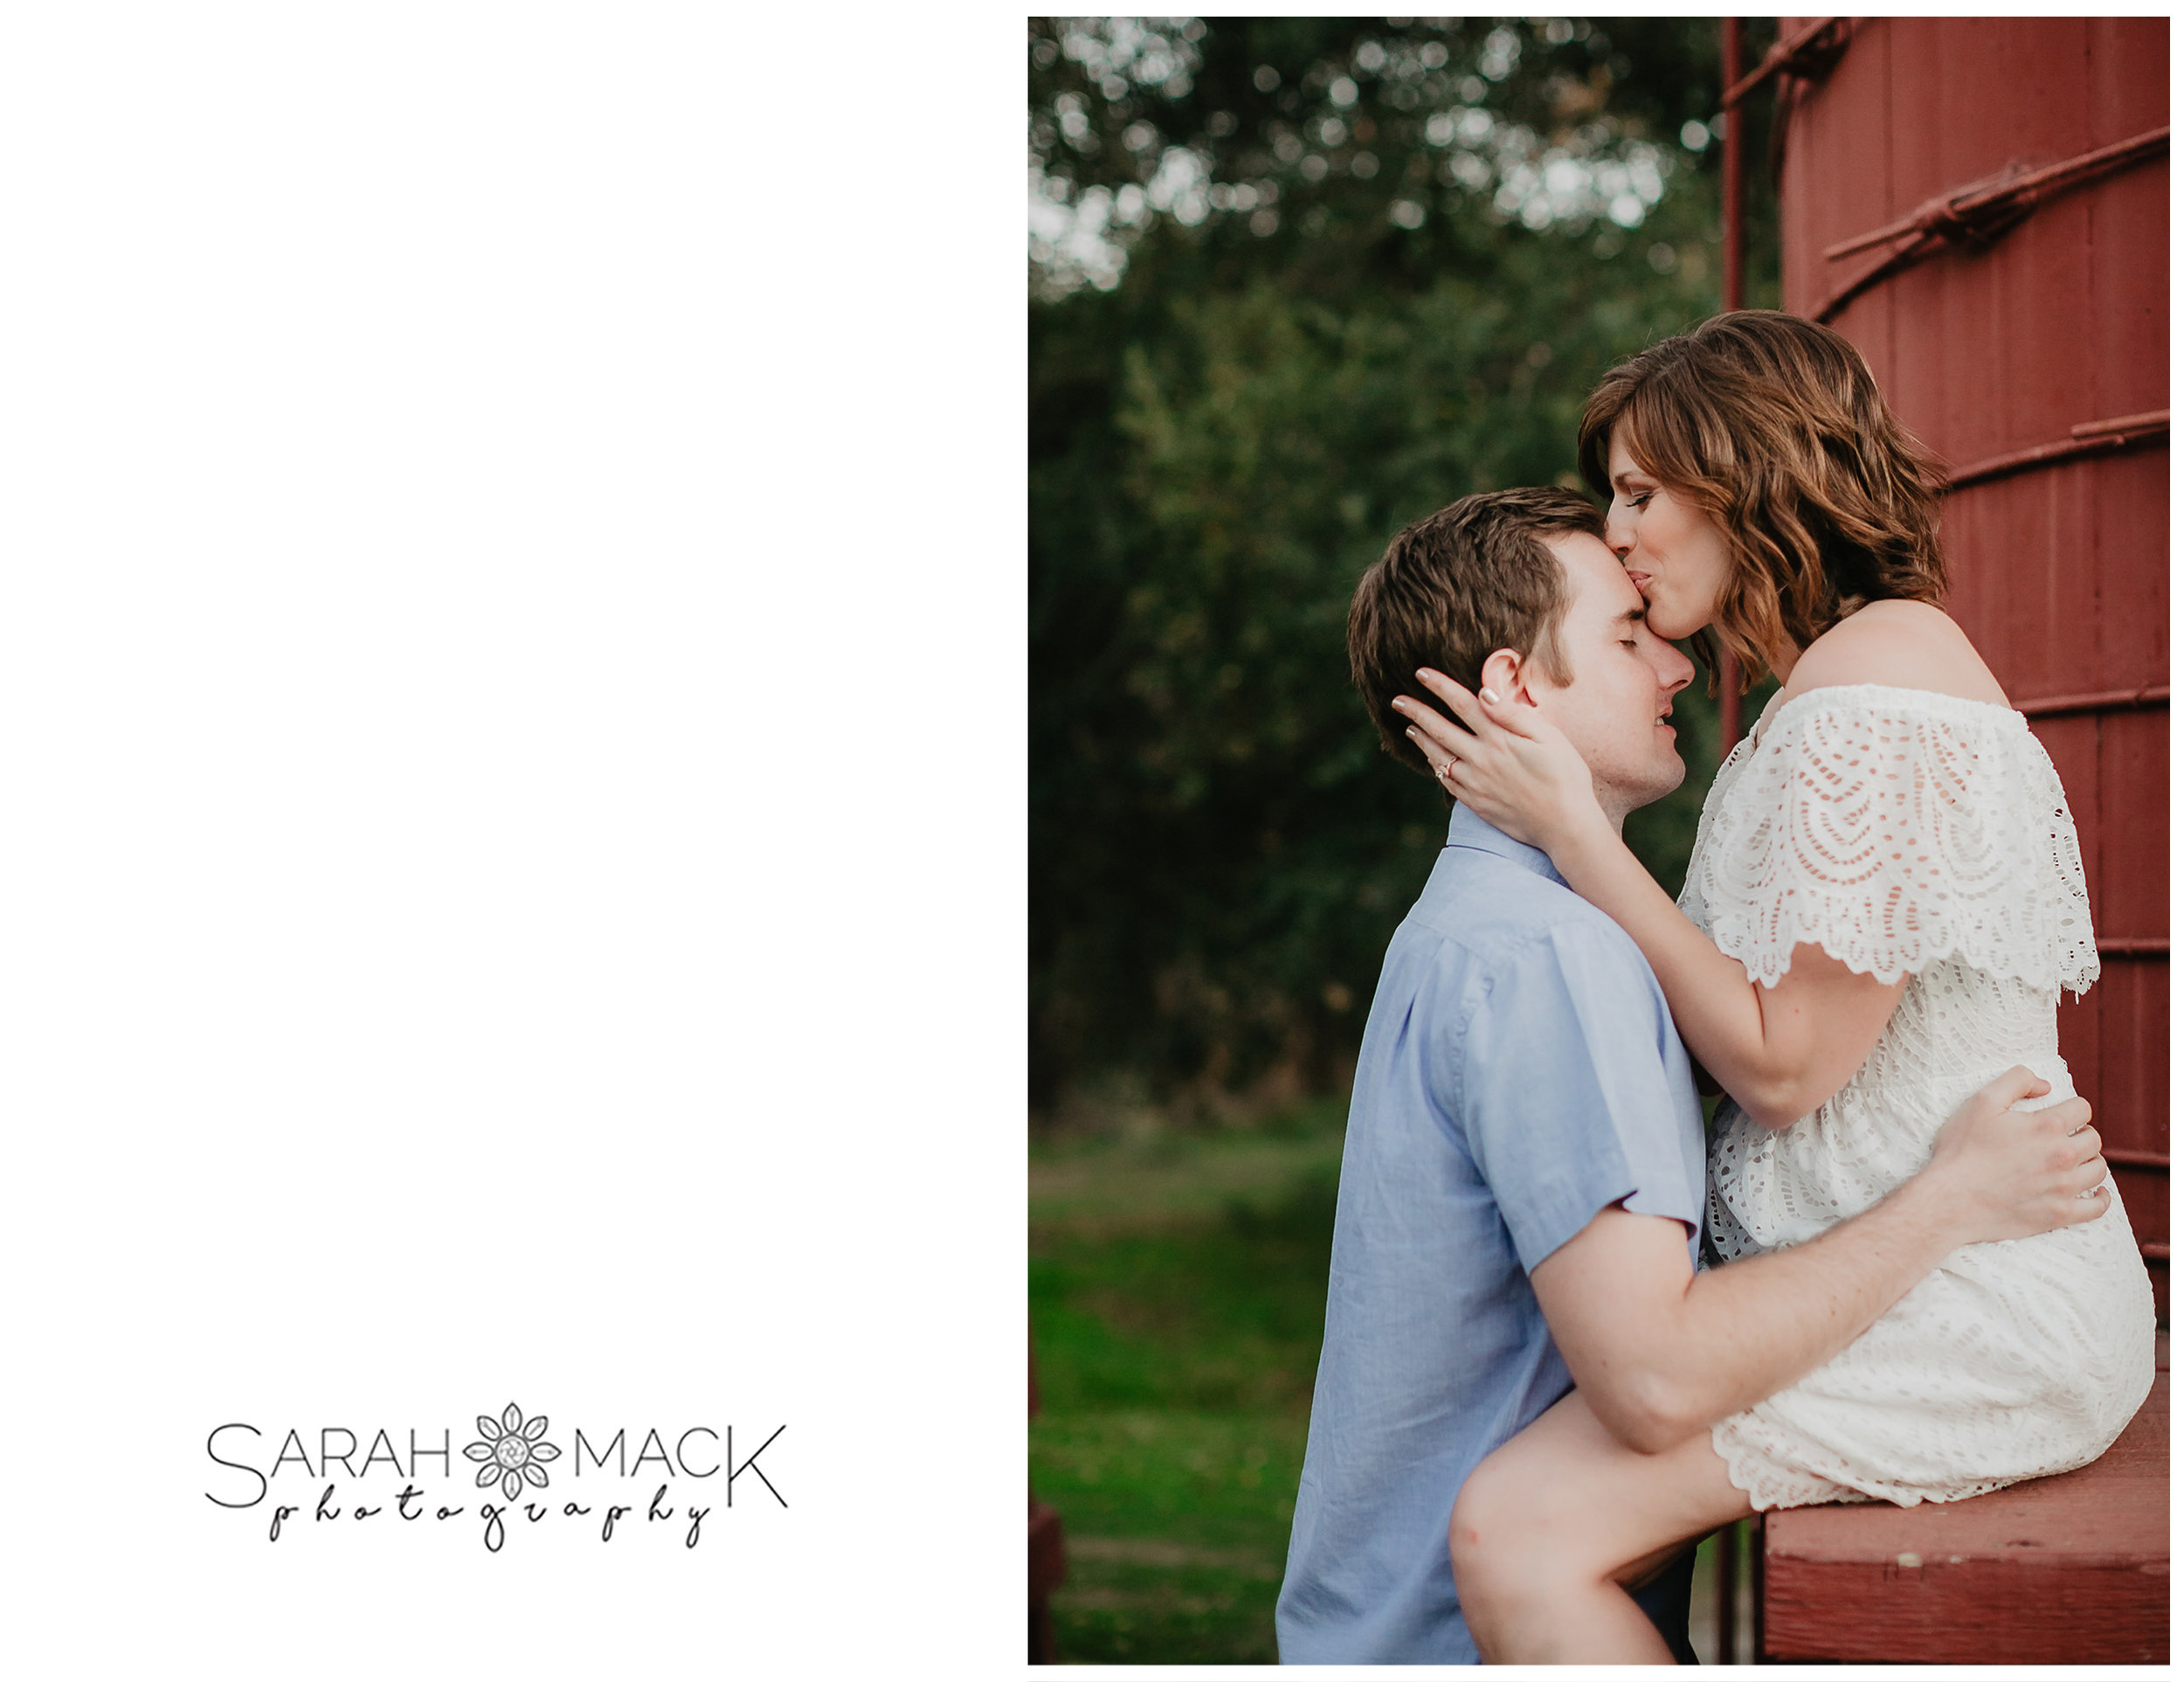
2066 1570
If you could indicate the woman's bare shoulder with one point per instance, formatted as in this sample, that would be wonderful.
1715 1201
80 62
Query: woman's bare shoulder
1902 645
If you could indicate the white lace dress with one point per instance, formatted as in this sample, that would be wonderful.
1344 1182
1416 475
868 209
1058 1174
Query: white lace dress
1902 830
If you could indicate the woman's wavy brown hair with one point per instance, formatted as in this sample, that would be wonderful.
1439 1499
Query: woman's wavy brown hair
1774 426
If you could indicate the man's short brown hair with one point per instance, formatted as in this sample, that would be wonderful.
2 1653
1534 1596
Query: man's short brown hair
1455 587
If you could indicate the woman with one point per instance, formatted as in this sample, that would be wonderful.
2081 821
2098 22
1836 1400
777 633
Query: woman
1884 904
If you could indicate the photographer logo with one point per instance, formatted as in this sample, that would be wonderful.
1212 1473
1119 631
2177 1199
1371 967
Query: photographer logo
405 1481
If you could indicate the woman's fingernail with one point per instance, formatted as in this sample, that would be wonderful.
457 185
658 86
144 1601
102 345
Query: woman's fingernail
1411 734
1489 697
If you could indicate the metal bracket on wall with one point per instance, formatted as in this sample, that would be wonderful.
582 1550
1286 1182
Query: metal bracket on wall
2087 438
2050 706
1800 62
1981 212
1810 53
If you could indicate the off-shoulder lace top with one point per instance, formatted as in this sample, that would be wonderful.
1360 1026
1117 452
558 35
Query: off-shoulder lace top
1903 831
1891 827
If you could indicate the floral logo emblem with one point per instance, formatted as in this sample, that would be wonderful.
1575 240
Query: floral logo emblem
512 1451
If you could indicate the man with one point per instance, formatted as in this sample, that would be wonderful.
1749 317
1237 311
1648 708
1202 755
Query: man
1522 1103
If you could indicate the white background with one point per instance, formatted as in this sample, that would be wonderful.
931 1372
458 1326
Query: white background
511 851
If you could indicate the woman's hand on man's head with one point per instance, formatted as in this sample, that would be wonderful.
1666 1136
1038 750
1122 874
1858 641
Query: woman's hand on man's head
1506 762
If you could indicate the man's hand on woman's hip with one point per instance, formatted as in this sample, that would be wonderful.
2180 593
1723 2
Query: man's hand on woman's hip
2016 1174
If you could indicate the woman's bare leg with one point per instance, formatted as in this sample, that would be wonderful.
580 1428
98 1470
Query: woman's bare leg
1557 1519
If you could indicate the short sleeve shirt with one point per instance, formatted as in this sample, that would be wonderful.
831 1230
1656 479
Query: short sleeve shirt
1519 1073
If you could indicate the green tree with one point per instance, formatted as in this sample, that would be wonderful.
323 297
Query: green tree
1296 282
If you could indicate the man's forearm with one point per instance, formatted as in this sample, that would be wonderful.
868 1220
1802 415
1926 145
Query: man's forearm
1752 1327
1661 1354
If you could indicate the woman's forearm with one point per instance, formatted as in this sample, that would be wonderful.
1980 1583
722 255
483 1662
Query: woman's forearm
1719 1010
1780 1050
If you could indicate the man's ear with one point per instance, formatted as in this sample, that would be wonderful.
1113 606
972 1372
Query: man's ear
1507 674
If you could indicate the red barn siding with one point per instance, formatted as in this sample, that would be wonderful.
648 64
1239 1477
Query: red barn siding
1993 346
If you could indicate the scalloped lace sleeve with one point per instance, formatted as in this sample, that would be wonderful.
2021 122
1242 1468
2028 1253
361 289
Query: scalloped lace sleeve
1894 829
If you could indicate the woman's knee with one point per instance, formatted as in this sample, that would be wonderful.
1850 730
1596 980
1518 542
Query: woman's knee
1497 1543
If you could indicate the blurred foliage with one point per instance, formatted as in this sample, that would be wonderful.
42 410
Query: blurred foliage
1295 283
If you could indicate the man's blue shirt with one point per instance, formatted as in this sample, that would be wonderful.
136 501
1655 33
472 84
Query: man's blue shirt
1519 1074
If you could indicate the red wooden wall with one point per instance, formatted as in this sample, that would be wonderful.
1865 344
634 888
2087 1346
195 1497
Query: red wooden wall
2034 358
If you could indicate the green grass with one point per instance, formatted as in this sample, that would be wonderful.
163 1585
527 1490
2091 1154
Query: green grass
1178 1288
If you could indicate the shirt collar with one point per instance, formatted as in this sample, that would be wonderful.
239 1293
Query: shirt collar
1467 829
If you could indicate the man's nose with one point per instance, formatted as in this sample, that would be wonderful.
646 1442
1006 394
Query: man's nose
1675 671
